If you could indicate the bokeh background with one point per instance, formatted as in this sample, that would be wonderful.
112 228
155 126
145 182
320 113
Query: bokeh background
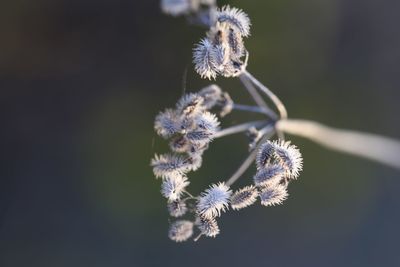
81 82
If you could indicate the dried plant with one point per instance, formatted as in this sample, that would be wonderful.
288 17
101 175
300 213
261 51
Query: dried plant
194 123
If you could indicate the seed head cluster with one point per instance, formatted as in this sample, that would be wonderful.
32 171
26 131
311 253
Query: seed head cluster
278 162
190 127
222 50
194 123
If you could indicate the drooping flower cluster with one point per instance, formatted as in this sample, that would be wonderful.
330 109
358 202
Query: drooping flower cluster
278 162
189 127
221 52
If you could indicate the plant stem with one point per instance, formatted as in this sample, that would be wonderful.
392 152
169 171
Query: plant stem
257 97
370 146
243 168
278 103
239 128
255 109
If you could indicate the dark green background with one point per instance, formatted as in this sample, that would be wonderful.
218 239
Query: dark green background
81 82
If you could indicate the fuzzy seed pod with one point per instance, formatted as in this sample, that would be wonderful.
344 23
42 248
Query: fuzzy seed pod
269 176
244 197
167 123
214 201
211 95
190 105
236 45
199 137
175 7
172 187
180 231
195 162
180 144
208 226
236 18
290 157
272 196
177 208
208 122
264 155
204 59
169 165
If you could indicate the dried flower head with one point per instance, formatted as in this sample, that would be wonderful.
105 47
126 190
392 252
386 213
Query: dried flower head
176 7
179 144
204 59
264 155
211 95
167 123
173 187
269 176
190 105
169 165
199 137
275 195
280 153
177 208
214 201
208 226
195 162
180 231
244 197
290 157
236 18
208 122
221 52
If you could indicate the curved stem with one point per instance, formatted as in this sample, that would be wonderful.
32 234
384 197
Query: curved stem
238 128
243 168
257 97
255 109
370 146
278 103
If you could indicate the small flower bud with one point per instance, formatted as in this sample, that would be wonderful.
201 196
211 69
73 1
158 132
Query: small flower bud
244 197
180 231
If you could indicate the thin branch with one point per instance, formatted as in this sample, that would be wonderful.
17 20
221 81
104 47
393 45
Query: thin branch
370 146
257 97
255 109
239 128
243 168
278 103
249 160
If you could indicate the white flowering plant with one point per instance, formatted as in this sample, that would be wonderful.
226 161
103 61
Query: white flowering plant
194 123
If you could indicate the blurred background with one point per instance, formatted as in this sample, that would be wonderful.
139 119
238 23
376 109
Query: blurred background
81 82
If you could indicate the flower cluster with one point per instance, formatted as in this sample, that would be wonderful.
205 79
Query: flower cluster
189 127
277 163
193 124
221 52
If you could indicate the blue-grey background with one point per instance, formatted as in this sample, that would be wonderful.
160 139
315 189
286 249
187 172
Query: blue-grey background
81 82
